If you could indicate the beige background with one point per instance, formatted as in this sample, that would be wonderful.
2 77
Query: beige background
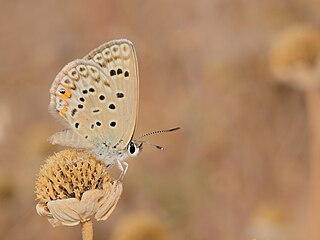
238 169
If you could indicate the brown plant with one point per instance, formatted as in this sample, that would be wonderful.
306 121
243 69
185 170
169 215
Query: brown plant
295 61
73 187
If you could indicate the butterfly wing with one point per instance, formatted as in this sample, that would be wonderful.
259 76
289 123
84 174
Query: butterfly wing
70 138
119 63
98 97
81 95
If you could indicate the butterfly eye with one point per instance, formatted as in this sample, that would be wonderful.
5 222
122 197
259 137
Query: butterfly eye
133 149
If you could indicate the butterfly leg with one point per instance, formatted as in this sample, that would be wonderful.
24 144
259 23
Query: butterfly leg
126 165
123 167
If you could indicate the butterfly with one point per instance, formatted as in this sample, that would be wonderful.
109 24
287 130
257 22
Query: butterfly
97 99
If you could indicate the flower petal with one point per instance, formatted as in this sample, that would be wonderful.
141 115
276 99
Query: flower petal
109 201
66 211
43 211
89 203
71 212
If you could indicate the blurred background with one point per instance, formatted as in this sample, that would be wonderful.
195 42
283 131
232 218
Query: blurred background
239 168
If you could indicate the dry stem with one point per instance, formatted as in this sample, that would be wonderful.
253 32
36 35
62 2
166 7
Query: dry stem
313 104
87 230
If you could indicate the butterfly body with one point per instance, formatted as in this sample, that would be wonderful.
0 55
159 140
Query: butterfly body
109 156
97 99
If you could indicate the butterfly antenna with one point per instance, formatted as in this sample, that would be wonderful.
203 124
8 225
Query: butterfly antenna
157 146
159 131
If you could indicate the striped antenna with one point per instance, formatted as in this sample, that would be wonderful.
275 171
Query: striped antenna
159 131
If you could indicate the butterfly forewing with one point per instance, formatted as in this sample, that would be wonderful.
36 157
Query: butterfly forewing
119 63
98 97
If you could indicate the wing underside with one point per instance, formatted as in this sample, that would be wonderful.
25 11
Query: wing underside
98 96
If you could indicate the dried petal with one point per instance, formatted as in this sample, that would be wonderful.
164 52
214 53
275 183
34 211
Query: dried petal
43 211
65 211
109 202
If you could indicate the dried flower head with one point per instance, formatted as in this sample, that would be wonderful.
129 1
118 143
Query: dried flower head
4 120
269 220
74 187
295 57
6 188
140 226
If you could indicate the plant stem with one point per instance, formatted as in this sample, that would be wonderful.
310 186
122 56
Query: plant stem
87 230
313 107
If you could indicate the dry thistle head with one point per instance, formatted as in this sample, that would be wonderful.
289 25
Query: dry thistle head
4 120
140 226
73 187
295 57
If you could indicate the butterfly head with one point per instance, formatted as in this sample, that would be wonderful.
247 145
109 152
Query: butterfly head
134 148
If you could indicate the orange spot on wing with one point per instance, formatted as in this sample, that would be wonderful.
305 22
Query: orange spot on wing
67 94
63 112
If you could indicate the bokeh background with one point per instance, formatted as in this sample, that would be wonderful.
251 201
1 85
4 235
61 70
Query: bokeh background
238 169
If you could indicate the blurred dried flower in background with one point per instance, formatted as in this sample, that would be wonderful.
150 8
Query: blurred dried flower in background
6 188
294 57
269 221
73 187
295 60
4 119
140 226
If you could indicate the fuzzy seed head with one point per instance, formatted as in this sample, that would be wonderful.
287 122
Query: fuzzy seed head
68 174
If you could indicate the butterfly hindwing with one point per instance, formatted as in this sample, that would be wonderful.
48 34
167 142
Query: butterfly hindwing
81 95
70 138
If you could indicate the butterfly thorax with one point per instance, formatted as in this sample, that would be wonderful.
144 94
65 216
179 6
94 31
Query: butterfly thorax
109 155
